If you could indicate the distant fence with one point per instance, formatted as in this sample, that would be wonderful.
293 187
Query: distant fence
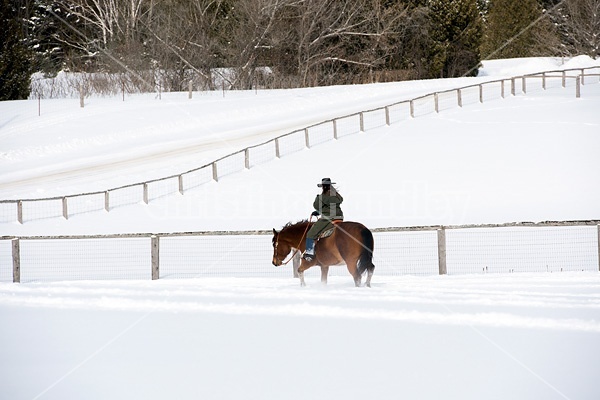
65 206
465 249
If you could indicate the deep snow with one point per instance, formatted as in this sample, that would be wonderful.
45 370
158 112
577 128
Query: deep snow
488 336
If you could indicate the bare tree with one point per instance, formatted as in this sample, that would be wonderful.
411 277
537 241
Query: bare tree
579 23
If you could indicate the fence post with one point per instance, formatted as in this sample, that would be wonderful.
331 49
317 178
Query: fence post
582 76
16 259
564 78
106 201
578 86
154 241
481 93
362 122
20 211
387 115
215 172
598 247
335 133
81 97
277 153
502 88
436 102
190 88
512 86
65 209
247 158
180 182
145 192
412 108
524 84
441 236
544 80
306 138
459 96
296 263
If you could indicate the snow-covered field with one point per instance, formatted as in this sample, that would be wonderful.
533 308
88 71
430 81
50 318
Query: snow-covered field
530 157
520 336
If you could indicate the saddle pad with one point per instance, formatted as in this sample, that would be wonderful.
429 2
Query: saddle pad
326 233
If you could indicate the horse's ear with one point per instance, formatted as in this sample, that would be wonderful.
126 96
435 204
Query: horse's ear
275 232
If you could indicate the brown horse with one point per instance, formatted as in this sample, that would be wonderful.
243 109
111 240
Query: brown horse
351 243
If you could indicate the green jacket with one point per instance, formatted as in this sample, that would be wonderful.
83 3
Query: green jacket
328 205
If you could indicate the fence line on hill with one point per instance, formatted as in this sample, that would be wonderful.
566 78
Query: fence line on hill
64 206
426 250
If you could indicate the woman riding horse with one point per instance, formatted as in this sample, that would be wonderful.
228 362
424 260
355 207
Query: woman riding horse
326 204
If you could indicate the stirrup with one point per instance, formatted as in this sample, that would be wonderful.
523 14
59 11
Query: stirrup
308 257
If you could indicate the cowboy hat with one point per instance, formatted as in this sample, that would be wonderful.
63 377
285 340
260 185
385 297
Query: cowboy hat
325 181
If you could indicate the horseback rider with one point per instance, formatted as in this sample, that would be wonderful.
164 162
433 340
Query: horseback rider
326 204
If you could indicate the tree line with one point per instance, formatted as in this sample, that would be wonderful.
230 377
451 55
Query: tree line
282 43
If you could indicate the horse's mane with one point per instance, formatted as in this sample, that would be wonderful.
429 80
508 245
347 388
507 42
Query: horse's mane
295 224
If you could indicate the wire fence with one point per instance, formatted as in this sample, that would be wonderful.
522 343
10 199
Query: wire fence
103 201
508 248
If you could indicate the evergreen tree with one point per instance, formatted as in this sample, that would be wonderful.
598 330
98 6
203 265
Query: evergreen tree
515 28
456 30
15 57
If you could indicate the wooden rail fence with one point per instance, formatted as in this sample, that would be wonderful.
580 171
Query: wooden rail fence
433 249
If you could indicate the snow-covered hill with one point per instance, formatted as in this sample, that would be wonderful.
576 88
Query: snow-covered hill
516 336
524 158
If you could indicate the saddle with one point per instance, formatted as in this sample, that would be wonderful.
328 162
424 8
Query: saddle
328 232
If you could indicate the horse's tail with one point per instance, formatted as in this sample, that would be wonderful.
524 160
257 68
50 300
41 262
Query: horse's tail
365 262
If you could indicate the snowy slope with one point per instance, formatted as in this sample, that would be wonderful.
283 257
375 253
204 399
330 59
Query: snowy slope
523 158
463 337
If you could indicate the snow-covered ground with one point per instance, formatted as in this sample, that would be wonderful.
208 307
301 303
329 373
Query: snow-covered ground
491 336
517 336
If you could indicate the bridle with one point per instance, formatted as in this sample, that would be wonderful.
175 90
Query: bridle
299 243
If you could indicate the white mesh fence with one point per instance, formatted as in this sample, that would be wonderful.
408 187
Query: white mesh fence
540 249
374 119
493 91
218 256
197 178
6 261
126 196
348 125
85 259
42 209
423 106
8 212
85 204
470 95
320 133
162 188
447 100
292 143
231 164
399 112
262 154
550 249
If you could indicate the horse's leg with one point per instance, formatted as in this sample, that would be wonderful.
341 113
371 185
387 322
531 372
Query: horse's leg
369 275
324 273
301 276
304 265
352 268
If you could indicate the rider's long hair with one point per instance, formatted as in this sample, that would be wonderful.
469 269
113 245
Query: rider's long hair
327 188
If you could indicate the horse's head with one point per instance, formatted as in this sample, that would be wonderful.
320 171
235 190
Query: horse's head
281 248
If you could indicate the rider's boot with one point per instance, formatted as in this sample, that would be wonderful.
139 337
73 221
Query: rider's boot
309 253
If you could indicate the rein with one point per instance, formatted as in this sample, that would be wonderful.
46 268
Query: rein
299 243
